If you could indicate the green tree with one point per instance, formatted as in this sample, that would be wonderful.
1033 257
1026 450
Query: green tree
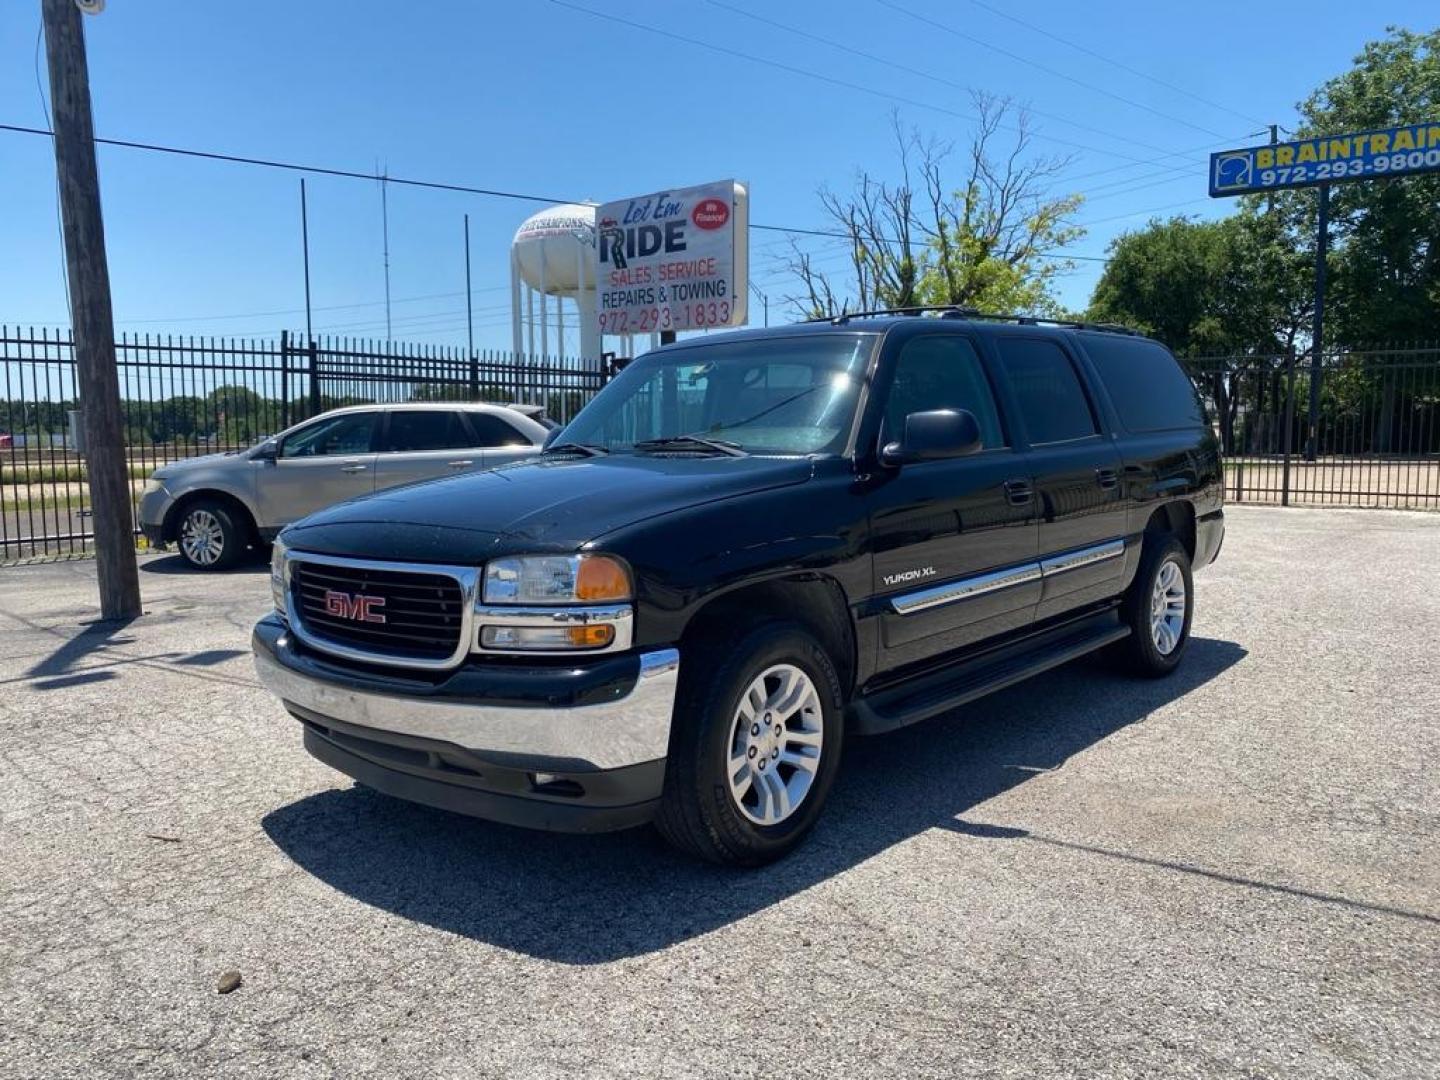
1232 286
922 239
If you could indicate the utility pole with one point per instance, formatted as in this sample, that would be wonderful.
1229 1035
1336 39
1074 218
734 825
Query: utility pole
305 254
385 231
92 320
469 312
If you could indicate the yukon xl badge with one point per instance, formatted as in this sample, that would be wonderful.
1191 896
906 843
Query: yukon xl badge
908 575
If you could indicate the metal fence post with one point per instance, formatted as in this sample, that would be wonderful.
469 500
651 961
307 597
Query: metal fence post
314 352
474 376
1288 437
284 379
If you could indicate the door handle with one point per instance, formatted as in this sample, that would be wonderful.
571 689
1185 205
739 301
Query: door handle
1018 492
460 464
353 468
1107 478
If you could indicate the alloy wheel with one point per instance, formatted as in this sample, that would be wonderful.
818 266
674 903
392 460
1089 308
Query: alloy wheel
201 538
773 753
1167 607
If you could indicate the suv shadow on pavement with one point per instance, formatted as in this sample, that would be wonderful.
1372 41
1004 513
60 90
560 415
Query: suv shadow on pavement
256 561
595 899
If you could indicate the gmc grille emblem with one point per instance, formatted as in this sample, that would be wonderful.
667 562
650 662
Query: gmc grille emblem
354 606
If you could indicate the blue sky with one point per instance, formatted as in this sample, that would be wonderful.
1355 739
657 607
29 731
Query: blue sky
536 96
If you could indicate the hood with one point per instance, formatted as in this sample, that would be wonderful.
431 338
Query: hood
170 468
537 506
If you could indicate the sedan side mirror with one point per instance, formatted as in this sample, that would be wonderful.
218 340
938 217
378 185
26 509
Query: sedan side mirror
267 451
934 435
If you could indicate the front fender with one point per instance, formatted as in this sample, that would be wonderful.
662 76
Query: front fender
685 559
211 481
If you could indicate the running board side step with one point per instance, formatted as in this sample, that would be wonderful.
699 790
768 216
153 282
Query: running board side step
929 695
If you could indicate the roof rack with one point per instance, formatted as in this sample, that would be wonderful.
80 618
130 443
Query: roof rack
952 311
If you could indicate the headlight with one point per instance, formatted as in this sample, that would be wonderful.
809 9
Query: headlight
153 485
556 579
279 577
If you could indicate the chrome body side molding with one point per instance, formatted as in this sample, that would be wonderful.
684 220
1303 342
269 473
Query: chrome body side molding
993 580
1073 560
964 588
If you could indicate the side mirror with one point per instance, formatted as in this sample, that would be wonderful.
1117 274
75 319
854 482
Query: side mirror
934 436
267 451
551 436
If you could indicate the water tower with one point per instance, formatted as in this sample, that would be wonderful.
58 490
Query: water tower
553 258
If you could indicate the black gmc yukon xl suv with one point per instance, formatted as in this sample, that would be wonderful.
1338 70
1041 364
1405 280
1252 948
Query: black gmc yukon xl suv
747 547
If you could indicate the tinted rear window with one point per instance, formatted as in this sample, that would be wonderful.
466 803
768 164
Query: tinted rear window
1052 401
1148 388
413 431
493 431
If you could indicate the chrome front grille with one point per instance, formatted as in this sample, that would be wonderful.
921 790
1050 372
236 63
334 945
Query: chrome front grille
401 614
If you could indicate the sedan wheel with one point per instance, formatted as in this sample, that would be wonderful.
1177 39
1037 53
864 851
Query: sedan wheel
201 538
209 537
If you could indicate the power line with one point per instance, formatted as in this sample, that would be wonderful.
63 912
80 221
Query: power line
1089 199
852 51
1114 63
300 311
318 170
1140 213
266 163
821 77
1224 144
1038 66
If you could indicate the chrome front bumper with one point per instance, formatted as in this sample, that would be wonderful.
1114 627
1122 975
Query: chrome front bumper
627 731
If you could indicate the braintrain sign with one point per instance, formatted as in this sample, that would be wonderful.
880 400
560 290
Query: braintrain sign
674 260
1361 155
1320 162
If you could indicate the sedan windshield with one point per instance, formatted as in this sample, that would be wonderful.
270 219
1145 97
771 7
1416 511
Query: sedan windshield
781 395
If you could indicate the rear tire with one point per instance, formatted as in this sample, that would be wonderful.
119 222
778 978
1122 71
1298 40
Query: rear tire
1158 608
209 537
765 709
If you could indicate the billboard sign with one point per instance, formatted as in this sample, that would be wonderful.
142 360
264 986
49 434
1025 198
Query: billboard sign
674 260
1362 155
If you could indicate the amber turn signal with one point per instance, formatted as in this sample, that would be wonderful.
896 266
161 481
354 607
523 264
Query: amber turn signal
595 636
601 578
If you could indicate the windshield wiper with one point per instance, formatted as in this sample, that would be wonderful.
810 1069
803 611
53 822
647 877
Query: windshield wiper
584 449
767 410
671 442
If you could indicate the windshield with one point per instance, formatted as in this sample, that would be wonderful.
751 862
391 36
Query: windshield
783 395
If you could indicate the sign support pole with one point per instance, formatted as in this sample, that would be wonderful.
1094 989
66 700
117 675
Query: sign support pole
1317 344
92 320
305 255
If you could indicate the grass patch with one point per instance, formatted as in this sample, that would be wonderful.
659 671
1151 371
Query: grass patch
40 506
61 473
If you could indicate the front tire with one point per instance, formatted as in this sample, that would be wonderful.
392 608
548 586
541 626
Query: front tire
1158 608
209 537
755 748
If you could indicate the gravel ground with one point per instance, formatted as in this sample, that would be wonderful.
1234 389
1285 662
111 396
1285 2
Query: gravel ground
1232 873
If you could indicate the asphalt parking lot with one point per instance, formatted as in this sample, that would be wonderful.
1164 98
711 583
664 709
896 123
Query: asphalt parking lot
1232 873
